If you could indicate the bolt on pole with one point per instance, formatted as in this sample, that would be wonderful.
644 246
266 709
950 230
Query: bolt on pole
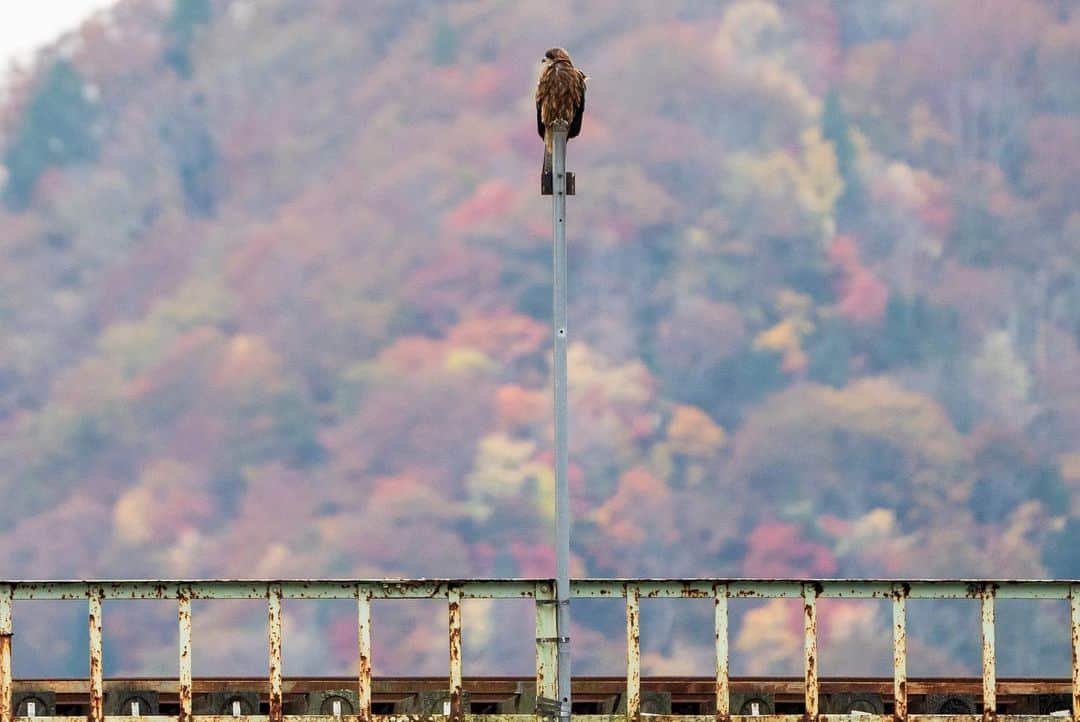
562 491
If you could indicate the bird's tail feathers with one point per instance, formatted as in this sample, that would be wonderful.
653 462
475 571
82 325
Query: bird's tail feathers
549 143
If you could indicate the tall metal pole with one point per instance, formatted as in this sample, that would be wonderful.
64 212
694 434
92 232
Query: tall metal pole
562 490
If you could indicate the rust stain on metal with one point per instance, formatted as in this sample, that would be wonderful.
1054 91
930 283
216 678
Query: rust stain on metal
274 625
1074 619
364 648
97 688
5 677
810 593
720 626
633 653
900 686
989 672
6 712
454 609
184 682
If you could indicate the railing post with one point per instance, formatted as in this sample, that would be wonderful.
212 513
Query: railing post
809 595
562 489
723 696
1074 619
633 652
363 693
899 612
184 619
274 625
989 673
6 712
547 671
97 683
453 596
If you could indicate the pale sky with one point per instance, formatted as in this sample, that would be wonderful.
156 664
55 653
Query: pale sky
29 24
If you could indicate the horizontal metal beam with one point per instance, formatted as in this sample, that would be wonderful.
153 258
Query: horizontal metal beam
580 717
703 588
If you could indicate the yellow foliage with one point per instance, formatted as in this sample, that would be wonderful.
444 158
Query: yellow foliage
170 498
502 467
767 637
784 338
693 433
463 360
820 184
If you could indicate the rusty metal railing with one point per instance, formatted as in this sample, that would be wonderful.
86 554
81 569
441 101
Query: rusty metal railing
720 591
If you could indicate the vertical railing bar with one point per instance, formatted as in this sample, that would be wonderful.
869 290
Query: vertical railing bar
184 619
633 652
453 597
363 637
1074 624
97 683
723 695
274 631
547 680
989 672
809 595
6 712
899 611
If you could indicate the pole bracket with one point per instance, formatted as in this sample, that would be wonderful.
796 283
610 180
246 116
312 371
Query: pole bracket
547 183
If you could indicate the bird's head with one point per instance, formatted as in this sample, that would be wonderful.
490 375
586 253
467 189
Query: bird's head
557 55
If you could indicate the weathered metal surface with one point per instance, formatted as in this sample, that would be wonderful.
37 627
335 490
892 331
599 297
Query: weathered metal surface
581 718
547 681
6 712
274 629
900 683
256 589
989 669
184 686
718 690
809 595
720 625
1074 624
633 653
454 607
97 687
523 588
363 637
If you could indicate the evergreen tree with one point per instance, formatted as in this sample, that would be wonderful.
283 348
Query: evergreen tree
187 17
57 130
444 43
836 128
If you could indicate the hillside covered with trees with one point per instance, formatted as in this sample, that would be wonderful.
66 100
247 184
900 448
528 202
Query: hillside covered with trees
275 297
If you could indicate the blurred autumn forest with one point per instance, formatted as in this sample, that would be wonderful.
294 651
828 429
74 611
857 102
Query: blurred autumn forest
275 300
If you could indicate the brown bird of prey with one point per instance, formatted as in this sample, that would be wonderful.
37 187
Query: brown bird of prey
560 95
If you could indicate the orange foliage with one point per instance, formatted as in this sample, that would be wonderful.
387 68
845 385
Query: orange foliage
639 508
519 406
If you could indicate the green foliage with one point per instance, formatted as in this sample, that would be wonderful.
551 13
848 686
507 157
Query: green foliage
187 17
444 43
914 330
836 128
830 350
57 129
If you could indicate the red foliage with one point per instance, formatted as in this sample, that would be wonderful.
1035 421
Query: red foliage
489 200
863 295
